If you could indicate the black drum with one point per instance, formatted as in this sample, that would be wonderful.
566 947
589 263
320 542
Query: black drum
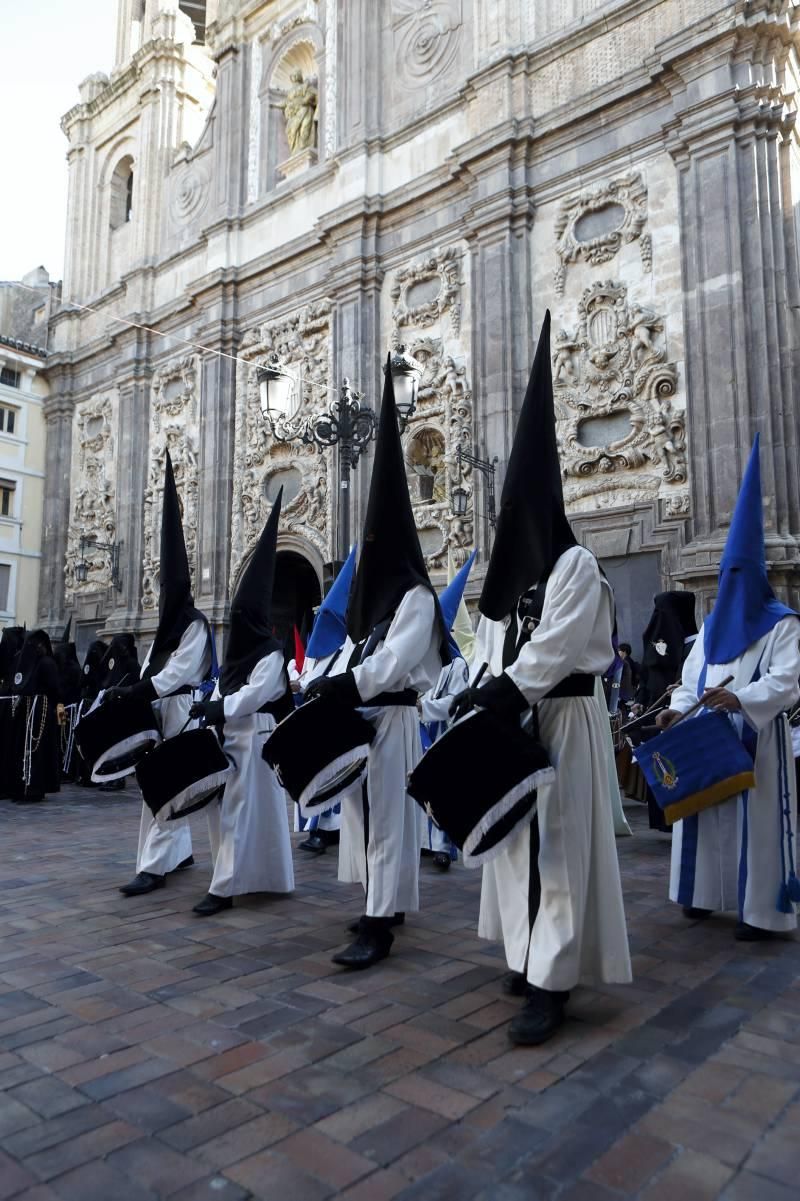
478 782
319 752
114 737
183 774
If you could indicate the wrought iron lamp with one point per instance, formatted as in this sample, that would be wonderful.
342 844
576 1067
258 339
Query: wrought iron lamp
82 566
459 495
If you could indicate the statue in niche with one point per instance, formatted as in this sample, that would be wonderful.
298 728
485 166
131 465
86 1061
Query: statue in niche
563 366
301 113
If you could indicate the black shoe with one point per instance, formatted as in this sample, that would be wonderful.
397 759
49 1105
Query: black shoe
747 933
695 914
314 844
373 944
399 919
182 866
539 1019
113 785
442 860
514 984
144 882
211 905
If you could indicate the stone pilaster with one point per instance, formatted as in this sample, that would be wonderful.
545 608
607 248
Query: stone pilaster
58 410
731 142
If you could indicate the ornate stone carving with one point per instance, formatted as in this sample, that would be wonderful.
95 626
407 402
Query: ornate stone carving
427 289
613 388
427 34
593 224
174 427
188 192
303 340
93 476
331 68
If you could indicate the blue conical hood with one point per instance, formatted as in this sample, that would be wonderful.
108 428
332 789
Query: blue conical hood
746 607
330 625
450 599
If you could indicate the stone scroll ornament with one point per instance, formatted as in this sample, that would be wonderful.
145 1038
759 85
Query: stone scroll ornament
595 223
613 389
427 34
93 504
174 427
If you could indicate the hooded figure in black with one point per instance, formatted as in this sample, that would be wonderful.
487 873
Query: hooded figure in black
35 740
553 893
10 645
248 827
121 662
666 644
394 652
94 669
69 669
178 662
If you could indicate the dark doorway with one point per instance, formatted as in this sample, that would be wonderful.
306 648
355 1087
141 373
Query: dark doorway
295 596
635 580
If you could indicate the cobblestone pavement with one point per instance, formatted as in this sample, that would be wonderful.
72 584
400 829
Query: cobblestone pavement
146 1053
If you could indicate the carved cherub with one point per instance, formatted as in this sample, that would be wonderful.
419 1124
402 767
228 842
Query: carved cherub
563 365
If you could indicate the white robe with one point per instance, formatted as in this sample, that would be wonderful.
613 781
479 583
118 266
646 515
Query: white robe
579 932
435 708
249 826
163 845
731 857
388 867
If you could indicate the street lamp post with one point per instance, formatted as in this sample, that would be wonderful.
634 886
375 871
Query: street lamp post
347 423
460 496
82 567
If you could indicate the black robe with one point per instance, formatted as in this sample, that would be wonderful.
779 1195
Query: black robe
35 728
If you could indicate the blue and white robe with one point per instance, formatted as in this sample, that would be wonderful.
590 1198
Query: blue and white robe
741 855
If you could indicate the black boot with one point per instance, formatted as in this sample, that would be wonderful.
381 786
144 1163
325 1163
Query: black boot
695 914
184 863
540 1018
399 919
314 844
747 933
373 943
514 984
442 860
211 904
142 883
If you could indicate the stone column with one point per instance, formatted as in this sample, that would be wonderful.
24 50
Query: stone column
217 419
131 481
58 410
730 143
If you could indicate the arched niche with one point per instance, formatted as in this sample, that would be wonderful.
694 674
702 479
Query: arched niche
117 197
426 466
302 50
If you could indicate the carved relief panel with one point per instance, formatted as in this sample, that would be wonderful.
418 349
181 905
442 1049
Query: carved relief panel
174 427
621 436
425 308
593 224
93 491
261 465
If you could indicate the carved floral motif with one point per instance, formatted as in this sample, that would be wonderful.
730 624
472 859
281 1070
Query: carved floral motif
93 508
174 427
427 34
612 377
303 341
629 195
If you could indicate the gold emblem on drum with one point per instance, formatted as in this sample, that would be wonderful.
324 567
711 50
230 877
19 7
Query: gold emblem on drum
665 770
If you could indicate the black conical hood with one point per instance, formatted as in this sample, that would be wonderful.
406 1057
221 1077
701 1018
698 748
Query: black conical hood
176 608
391 560
250 636
532 527
64 639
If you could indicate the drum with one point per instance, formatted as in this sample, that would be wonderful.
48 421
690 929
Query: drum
183 774
478 783
113 737
319 752
699 763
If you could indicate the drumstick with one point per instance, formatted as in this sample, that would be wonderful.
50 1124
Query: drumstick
480 675
655 705
698 704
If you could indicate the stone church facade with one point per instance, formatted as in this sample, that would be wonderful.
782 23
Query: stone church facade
331 179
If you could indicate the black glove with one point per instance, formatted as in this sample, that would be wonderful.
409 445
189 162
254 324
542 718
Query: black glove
143 690
212 712
500 696
115 694
341 690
